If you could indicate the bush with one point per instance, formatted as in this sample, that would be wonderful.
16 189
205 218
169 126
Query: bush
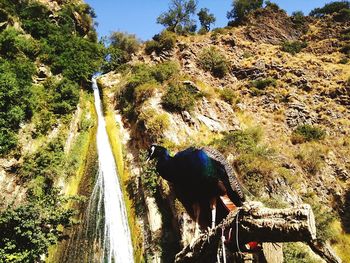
297 253
311 158
324 217
228 95
165 71
241 141
346 49
306 133
293 47
154 123
149 177
165 41
214 61
178 98
66 97
144 91
262 84
15 100
8 140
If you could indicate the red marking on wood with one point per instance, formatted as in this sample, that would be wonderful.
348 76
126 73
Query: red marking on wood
229 205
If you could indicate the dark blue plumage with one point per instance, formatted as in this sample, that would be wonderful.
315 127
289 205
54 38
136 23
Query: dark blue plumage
198 175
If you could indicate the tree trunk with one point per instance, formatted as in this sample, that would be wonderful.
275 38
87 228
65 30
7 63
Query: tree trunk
255 223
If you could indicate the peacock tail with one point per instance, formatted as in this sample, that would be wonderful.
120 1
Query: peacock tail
228 174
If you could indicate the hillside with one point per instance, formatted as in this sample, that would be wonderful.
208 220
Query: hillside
271 94
48 53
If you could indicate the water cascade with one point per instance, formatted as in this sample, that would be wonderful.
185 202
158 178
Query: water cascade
107 222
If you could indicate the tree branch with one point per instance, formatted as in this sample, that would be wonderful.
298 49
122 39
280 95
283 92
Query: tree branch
255 223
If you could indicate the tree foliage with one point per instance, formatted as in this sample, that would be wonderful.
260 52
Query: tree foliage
58 43
178 18
206 18
27 231
330 8
122 47
240 9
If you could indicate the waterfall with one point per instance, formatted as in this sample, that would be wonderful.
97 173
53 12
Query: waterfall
107 222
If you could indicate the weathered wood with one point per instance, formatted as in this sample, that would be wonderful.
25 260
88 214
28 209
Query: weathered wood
255 223
325 251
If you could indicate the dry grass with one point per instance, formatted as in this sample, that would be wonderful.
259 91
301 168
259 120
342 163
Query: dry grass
341 242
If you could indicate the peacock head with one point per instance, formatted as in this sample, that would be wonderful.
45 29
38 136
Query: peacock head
156 151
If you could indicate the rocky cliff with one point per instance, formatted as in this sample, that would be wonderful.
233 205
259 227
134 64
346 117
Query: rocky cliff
272 95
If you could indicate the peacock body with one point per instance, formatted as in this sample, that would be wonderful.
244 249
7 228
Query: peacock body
198 175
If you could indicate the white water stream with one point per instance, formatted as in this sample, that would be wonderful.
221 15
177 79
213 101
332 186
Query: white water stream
107 218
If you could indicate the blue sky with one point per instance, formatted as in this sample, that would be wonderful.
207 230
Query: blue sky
139 16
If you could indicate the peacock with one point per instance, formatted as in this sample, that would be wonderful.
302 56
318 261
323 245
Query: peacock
200 177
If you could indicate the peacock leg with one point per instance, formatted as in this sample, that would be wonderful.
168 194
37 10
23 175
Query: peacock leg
213 211
196 213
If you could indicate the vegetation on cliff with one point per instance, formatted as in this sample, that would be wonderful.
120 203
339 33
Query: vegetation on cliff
270 92
48 54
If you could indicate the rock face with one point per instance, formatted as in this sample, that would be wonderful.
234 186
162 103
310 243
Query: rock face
271 25
309 88
298 114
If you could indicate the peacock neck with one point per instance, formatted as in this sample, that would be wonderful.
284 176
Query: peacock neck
164 161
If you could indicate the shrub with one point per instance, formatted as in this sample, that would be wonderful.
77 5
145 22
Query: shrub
306 133
297 253
165 71
8 140
228 95
144 91
262 84
214 61
150 46
141 73
178 98
311 158
165 41
254 161
155 123
346 49
66 97
149 177
241 141
344 61
293 47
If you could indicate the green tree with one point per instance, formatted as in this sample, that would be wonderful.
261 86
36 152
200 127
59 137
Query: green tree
243 7
206 19
27 231
330 8
124 41
178 18
121 47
